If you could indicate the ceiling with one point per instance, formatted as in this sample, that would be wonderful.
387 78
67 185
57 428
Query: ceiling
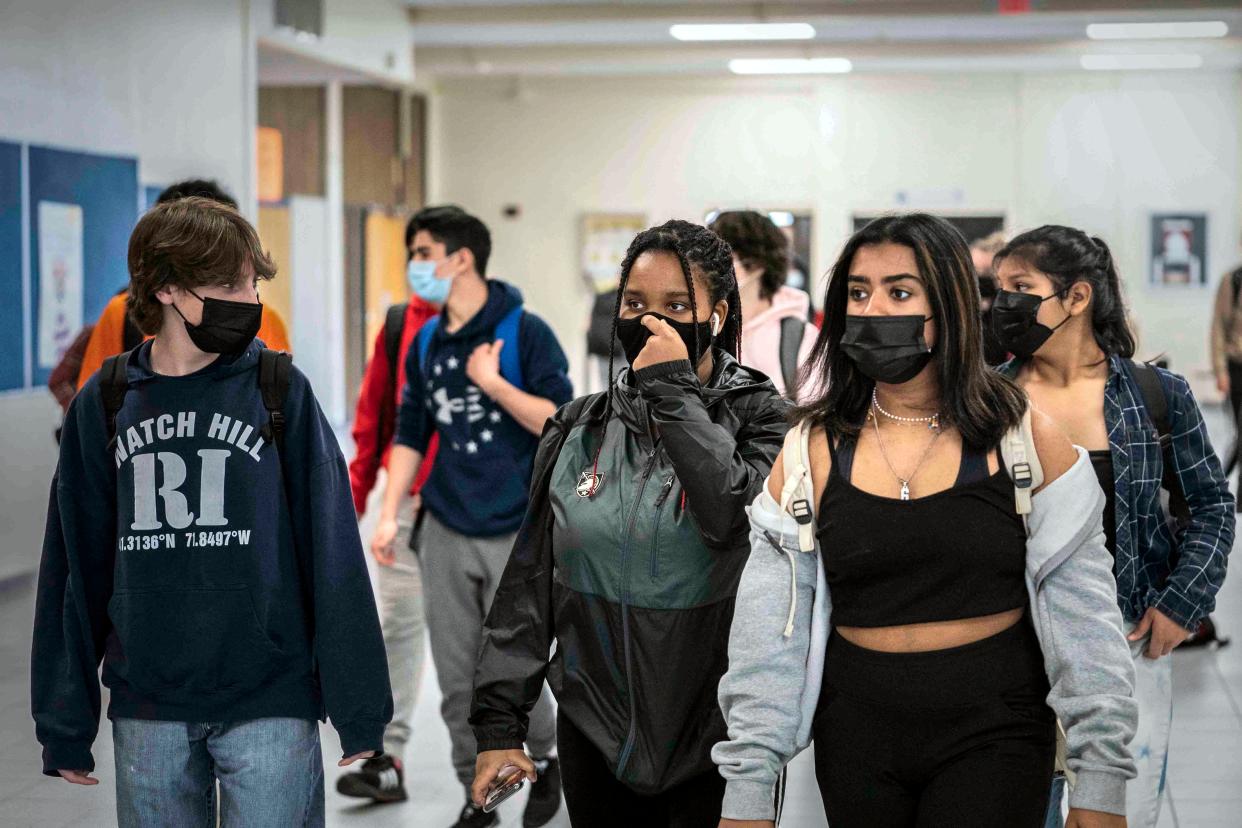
593 38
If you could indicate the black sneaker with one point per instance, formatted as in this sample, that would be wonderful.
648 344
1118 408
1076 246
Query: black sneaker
472 817
381 779
545 794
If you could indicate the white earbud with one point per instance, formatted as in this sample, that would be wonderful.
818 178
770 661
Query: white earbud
715 324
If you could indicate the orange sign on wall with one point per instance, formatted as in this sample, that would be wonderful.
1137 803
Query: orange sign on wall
270 153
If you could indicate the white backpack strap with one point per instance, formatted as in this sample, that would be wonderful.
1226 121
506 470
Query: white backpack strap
798 491
1022 462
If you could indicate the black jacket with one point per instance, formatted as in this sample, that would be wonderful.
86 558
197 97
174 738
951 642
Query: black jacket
635 584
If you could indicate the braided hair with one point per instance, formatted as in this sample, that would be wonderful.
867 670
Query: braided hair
1067 255
701 252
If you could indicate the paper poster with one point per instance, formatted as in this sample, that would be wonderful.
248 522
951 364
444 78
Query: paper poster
60 279
605 238
1179 249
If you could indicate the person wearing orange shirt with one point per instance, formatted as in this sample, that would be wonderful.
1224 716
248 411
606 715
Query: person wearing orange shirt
110 336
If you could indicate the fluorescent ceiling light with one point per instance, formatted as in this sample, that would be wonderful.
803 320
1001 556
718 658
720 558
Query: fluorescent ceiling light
789 66
1156 31
1122 62
743 31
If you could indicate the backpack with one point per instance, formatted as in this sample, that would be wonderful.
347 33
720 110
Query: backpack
275 370
1157 404
507 329
793 331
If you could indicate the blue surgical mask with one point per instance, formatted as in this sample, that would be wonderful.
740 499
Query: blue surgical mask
423 282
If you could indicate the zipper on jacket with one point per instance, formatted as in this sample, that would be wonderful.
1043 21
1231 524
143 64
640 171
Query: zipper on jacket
655 531
627 748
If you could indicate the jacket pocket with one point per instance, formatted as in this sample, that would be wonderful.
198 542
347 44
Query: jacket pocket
665 490
177 643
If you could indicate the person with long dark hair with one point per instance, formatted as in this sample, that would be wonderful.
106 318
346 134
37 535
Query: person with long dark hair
631 551
962 592
1062 314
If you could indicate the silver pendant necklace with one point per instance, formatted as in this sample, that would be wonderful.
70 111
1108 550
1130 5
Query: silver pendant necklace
904 481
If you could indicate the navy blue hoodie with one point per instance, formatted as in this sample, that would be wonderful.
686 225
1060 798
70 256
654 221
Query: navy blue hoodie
478 485
212 586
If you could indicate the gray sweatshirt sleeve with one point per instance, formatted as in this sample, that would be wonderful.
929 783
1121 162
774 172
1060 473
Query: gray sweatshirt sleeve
1087 658
761 694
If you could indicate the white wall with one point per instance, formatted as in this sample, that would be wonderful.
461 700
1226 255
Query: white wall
164 80
1095 151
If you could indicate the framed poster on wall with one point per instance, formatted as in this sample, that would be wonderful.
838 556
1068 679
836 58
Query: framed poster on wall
1178 249
604 238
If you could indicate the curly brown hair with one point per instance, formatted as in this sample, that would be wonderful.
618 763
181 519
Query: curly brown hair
191 242
758 243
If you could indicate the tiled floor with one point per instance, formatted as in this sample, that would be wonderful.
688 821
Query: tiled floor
1204 787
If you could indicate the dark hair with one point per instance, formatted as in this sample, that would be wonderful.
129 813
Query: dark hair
700 251
758 243
980 403
454 228
1067 255
190 242
196 187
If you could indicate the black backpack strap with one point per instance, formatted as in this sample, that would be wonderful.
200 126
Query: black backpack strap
275 370
113 385
793 330
394 328
1157 404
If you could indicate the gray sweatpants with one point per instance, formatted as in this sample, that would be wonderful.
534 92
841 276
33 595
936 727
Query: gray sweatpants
460 578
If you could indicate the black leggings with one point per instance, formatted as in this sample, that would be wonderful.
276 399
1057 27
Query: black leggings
959 737
595 799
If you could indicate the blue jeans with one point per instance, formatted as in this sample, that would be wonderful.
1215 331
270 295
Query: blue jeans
270 773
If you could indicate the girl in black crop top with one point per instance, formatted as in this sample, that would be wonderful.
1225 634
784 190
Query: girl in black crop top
932 708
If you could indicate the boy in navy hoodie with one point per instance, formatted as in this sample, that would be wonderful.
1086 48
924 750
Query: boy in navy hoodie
207 554
485 375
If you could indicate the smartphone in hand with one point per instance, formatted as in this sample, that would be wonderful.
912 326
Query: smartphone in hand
508 782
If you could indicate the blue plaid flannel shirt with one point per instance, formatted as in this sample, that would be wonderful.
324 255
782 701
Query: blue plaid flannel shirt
1178 576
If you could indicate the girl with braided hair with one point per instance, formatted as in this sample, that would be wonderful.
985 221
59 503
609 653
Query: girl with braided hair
1062 315
631 551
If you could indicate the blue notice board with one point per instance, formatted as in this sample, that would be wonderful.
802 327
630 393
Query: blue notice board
12 336
83 196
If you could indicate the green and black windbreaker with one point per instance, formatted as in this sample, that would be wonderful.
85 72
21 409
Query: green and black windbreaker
636 584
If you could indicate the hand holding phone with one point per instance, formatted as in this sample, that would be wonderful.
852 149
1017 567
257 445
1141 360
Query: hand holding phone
493 765
509 782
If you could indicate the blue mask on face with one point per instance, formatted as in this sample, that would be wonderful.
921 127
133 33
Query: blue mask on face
424 284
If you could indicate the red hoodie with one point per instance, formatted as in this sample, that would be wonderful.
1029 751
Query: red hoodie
375 419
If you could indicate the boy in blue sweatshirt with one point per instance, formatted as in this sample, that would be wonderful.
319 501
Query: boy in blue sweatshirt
485 375
201 544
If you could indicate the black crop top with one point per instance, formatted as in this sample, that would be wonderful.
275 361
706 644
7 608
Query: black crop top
959 553
1102 462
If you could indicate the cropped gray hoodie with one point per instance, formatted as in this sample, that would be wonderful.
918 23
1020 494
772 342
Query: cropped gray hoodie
776 654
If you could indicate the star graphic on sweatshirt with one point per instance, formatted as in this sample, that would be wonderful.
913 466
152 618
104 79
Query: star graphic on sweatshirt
452 363
494 416
472 447
486 435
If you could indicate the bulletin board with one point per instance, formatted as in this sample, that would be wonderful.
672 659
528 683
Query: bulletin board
12 337
384 258
82 210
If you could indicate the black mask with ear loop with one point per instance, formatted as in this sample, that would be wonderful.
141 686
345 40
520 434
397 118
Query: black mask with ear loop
888 349
633 335
1013 322
226 327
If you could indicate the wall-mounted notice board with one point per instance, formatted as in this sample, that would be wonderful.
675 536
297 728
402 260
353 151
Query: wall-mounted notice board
12 342
82 210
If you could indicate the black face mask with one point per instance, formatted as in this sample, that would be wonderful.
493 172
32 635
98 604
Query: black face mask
226 327
634 335
888 349
1013 322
